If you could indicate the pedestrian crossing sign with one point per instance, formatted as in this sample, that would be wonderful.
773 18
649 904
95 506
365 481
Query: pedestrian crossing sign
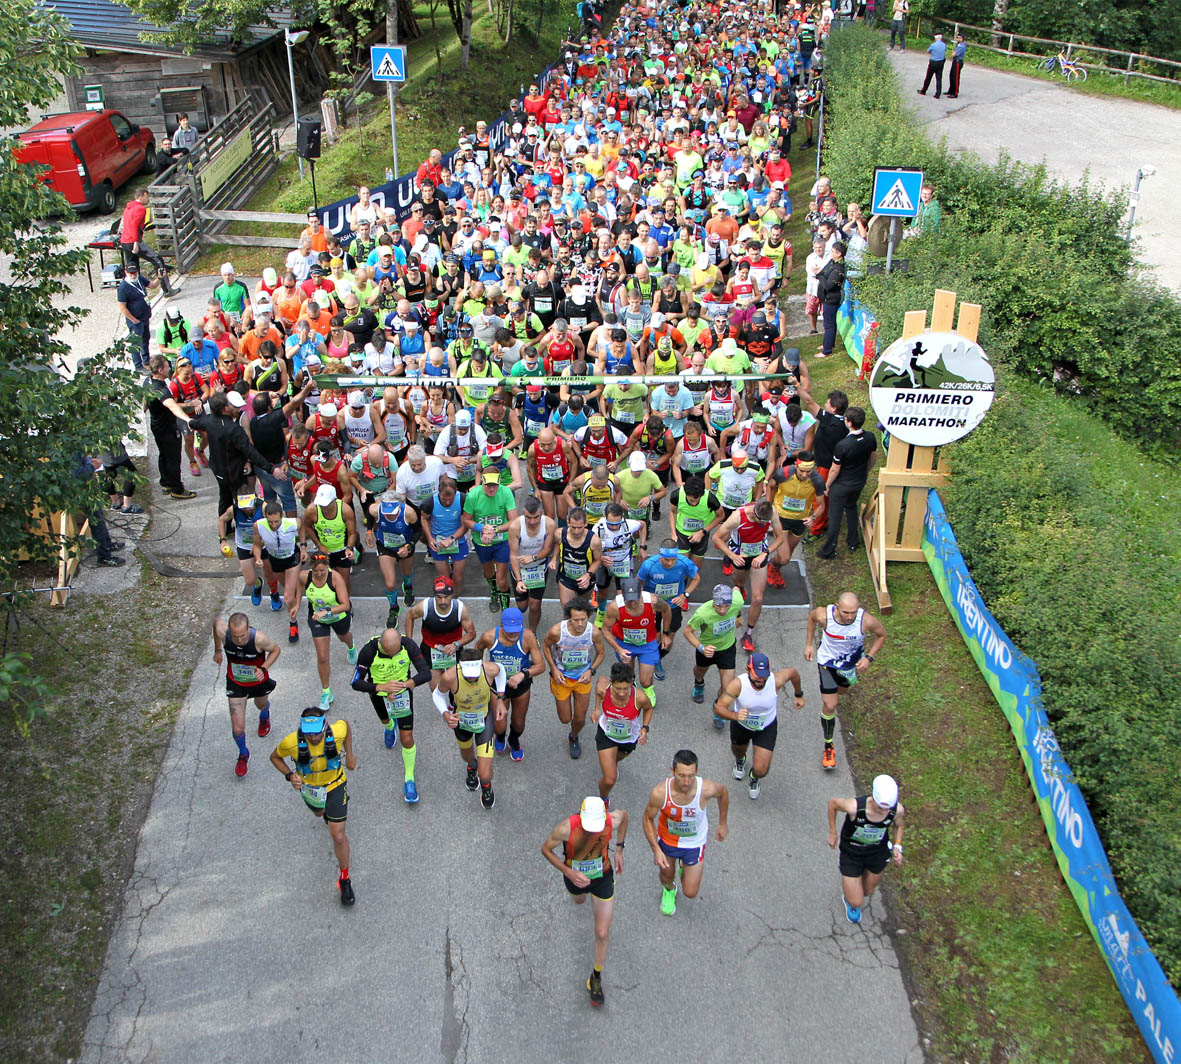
896 192
388 62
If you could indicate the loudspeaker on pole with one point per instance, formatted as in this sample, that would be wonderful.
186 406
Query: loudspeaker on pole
307 137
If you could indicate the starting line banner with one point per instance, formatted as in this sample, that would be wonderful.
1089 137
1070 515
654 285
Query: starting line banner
341 380
1017 687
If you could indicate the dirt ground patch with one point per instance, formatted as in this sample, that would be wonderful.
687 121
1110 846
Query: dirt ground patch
78 791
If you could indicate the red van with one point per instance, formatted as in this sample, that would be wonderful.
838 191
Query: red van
89 155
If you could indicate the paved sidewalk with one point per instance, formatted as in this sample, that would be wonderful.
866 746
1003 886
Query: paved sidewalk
1073 133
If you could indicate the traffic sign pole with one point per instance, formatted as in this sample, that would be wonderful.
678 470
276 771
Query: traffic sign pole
387 63
891 241
392 90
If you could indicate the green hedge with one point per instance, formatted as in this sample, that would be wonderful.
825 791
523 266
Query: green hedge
1062 301
1068 531
1073 546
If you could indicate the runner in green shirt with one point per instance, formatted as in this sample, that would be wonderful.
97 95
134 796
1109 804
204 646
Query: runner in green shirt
712 630
627 404
693 514
487 511
640 487
729 359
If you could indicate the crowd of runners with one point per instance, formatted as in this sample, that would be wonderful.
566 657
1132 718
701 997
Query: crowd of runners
630 226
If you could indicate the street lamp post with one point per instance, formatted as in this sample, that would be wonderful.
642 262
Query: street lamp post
291 40
1147 170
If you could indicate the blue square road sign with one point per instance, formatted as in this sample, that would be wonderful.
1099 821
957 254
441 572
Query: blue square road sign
896 192
387 62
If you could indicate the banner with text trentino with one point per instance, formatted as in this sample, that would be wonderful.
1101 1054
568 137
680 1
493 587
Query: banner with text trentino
1017 687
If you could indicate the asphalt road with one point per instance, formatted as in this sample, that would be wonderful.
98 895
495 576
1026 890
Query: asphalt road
1073 133
463 944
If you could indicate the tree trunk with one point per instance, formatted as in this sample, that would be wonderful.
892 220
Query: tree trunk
465 38
1000 8
508 19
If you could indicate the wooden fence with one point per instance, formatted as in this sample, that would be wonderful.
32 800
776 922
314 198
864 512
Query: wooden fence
1127 65
227 166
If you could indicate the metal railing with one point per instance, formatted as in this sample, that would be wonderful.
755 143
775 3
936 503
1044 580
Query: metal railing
1129 65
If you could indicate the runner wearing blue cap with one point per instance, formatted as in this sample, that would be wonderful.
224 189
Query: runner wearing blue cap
751 704
320 776
515 649
671 577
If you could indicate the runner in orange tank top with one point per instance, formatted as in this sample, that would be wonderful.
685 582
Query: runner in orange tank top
587 865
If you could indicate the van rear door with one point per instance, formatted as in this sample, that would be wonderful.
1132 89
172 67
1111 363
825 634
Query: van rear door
59 156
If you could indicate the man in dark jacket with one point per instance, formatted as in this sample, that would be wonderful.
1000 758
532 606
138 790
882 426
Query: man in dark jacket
831 290
230 449
852 460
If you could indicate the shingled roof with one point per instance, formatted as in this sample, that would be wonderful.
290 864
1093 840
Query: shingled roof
109 24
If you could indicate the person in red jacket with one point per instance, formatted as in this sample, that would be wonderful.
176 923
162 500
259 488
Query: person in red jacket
535 101
131 238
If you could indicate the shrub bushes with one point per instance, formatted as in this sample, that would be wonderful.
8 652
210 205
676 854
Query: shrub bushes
1088 586
1062 302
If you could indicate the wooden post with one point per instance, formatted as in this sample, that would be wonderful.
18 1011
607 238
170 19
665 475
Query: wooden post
893 519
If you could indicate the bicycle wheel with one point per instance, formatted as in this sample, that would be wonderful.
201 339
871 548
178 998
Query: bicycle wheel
1047 64
1074 74
1080 73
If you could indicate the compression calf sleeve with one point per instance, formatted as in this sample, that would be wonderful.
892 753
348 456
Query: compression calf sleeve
241 741
409 754
829 726
651 693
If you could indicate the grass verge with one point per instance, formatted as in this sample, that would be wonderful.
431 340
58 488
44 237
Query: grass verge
430 111
78 792
1000 963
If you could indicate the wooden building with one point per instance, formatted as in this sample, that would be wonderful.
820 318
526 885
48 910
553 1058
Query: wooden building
151 82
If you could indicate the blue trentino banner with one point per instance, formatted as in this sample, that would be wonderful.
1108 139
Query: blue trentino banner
399 193
853 322
1017 687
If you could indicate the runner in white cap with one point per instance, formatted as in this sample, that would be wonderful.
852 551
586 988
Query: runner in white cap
587 865
865 844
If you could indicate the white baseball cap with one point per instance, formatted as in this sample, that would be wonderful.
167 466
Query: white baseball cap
328 410
593 814
636 461
227 267
885 791
235 400
325 495
463 418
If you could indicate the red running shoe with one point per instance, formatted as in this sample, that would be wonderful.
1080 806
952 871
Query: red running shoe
775 577
748 643
264 726
830 757
241 766
727 568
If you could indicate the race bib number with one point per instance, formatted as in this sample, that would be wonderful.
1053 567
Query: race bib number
621 566
574 570
733 499
754 723
794 504
393 540
635 637
724 626
242 673
868 834
534 576
551 472
638 513
479 391
592 867
473 720
575 661
533 427
848 675
617 729
398 704
750 550
668 591
626 417
452 549
689 525
315 797
440 660
681 828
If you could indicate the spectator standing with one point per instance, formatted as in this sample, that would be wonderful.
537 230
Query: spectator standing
106 547
185 136
230 448
898 24
852 459
163 414
131 238
957 66
830 287
132 296
937 53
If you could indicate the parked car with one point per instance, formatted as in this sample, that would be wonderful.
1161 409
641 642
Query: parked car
89 155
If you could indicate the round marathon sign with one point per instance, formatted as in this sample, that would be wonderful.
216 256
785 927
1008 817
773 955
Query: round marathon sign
931 389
